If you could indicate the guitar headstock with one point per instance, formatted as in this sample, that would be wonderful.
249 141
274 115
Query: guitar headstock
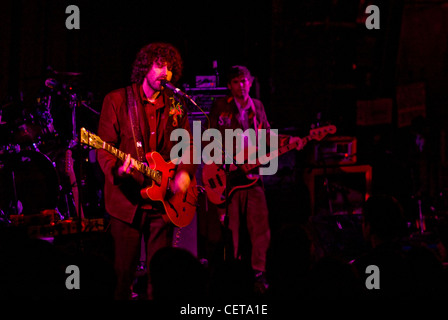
91 139
321 132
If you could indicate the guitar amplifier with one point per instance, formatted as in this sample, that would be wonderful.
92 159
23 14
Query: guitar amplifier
336 150
204 97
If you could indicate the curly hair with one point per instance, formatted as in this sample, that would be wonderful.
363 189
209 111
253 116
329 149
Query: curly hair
158 52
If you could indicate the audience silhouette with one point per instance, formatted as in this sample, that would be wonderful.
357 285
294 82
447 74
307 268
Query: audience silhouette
407 270
409 267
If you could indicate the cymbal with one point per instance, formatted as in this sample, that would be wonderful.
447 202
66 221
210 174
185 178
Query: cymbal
6 105
67 73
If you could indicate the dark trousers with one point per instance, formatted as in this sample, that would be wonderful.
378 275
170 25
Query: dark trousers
156 232
248 208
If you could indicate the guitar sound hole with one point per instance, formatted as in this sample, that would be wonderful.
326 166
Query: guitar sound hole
219 180
212 183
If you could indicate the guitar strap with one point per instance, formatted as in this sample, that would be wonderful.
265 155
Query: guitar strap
132 107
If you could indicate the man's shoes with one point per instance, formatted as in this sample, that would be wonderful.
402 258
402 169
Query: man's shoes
261 283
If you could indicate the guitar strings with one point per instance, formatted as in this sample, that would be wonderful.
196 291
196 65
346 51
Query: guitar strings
177 237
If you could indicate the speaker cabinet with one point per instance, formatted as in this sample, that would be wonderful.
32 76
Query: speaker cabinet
338 190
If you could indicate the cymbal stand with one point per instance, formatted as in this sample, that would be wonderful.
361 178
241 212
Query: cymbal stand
16 200
421 218
73 104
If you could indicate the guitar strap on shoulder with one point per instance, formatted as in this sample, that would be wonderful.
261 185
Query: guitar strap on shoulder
132 107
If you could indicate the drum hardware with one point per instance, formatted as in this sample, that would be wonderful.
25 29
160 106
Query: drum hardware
85 105
4 218
16 206
9 148
62 84
32 175
29 183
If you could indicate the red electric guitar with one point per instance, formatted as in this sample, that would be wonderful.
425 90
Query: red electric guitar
179 207
214 175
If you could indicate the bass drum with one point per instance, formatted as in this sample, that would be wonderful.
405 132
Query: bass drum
29 182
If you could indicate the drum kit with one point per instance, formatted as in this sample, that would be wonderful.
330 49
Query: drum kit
40 158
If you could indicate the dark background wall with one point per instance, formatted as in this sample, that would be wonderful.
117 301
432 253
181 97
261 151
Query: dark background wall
309 57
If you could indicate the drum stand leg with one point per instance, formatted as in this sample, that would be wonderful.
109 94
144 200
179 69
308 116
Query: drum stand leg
15 202
421 218
68 211
61 217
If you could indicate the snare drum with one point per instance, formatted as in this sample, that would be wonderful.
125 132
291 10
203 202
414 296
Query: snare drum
27 132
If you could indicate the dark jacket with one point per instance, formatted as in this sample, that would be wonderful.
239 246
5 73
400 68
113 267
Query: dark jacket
122 195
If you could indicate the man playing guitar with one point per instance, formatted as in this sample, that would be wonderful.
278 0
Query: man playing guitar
157 112
240 111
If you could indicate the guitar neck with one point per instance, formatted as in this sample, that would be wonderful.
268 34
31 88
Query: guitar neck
274 154
96 142
139 166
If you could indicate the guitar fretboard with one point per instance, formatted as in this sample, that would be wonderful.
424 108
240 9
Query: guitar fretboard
246 167
94 141
140 166
274 154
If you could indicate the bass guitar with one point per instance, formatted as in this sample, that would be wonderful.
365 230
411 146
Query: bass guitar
180 207
214 175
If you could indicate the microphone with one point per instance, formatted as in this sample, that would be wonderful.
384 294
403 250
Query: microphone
176 91
51 83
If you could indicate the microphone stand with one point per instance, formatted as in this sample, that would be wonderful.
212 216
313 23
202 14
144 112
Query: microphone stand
228 246
227 236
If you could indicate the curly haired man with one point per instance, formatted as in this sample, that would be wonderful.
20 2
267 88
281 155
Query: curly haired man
131 218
